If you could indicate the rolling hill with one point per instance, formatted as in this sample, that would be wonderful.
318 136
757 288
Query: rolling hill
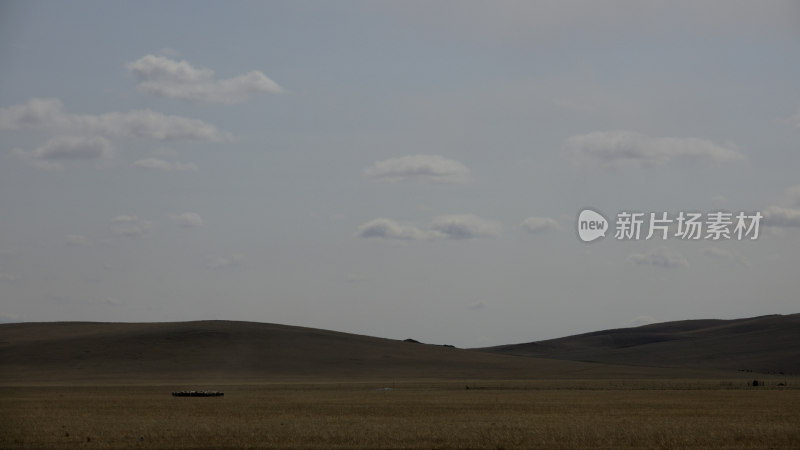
88 352
767 344
70 352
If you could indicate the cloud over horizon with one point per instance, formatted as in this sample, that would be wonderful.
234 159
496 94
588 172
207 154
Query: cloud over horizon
164 77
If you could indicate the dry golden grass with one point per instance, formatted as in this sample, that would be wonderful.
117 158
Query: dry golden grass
433 414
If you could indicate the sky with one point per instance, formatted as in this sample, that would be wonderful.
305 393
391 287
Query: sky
402 169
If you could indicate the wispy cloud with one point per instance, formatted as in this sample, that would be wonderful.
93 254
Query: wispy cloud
130 226
661 257
390 229
421 168
61 149
786 213
723 254
778 216
626 149
464 226
165 77
187 220
49 114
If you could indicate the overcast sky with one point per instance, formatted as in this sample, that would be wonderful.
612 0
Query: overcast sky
398 169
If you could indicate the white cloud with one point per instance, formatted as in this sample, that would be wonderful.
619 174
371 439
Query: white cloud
33 114
786 212
226 261
78 240
49 114
720 253
466 226
624 149
130 226
390 229
164 77
659 257
424 168
777 216
65 148
187 220
165 166
539 224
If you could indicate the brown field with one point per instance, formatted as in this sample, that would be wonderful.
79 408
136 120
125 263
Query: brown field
103 385
414 414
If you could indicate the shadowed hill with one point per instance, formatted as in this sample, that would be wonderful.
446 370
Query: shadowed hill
245 351
762 344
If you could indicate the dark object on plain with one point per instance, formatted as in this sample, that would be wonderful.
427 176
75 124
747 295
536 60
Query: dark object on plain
198 394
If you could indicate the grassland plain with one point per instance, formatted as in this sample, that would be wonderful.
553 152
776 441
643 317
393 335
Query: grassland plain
411 414
103 385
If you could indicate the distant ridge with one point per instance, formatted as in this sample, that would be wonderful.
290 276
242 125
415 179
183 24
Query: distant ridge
766 344
69 352
91 352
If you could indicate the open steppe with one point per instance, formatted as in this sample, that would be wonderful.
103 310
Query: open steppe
588 414
90 385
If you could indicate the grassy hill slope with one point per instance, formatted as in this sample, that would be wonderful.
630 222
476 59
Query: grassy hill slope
762 344
245 351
